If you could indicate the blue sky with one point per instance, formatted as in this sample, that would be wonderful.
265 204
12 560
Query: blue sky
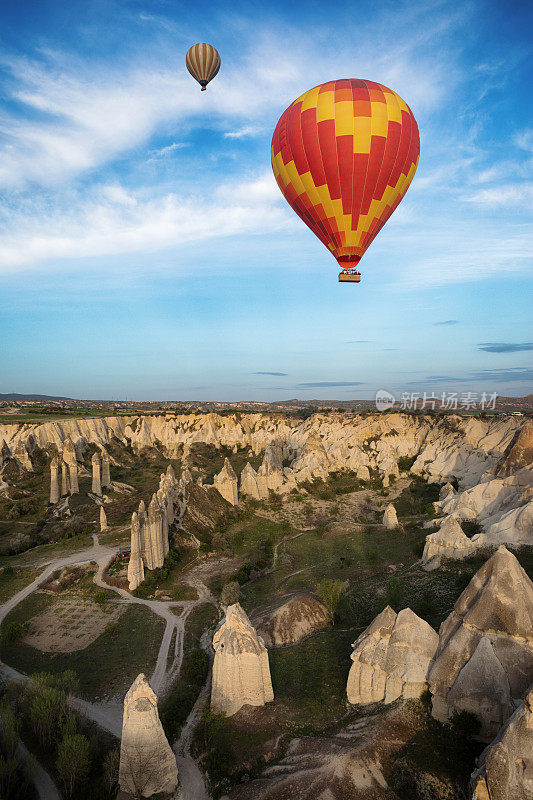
146 251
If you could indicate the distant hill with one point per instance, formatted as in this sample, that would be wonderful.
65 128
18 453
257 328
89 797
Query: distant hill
35 398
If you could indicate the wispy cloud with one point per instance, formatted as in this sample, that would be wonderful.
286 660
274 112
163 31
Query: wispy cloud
113 221
503 195
168 150
322 384
503 375
359 341
505 347
488 376
447 322
241 133
279 374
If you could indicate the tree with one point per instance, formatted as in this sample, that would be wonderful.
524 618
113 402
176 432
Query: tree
110 769
73 760
45 712
330 592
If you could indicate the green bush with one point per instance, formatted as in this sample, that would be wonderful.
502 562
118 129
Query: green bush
395 591
471 527
406 462
418 548
13 632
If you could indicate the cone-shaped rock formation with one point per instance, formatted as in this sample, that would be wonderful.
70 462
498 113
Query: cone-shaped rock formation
506 771
391 658
241 673
54 480
226 483
97 475
497 607
147 763
448 542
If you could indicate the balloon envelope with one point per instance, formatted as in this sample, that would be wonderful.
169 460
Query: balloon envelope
203 62
344 154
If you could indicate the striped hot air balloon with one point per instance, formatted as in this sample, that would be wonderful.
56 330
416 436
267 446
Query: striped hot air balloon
344 154
203 62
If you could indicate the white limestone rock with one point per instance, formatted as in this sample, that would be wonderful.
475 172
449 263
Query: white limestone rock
185 477
65 480
251 485
312 460
154 535
136 564
448 542
496 504
482 688
71 460
103 520
270 474
514 527
96 486
290 619
391 658
147 763
390 519
106 472
22 455
446 491
241 673
226 483
363 473
54 480
497 605
519 453
506 765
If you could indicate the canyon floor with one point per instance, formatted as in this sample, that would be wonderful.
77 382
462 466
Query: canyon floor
66 606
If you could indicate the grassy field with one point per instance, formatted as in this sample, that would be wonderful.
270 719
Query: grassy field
202 617
13 579
354 555
106 667
309 678
246 535
44 553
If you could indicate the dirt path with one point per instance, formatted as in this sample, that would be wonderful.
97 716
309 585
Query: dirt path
46 788
287 539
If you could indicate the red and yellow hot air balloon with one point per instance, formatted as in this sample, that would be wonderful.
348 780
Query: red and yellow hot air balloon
344 154
203 62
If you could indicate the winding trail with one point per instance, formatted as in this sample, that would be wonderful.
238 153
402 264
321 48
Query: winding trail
109 715
46 788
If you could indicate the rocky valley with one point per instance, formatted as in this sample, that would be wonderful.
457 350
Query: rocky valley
327 606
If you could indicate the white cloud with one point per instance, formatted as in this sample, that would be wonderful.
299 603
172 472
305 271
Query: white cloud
241 133
164 152
444 255
78 115
115 221
520 194
524 140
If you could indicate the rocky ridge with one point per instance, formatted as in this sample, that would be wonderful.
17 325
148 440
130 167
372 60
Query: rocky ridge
484 660
391 658
290 619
